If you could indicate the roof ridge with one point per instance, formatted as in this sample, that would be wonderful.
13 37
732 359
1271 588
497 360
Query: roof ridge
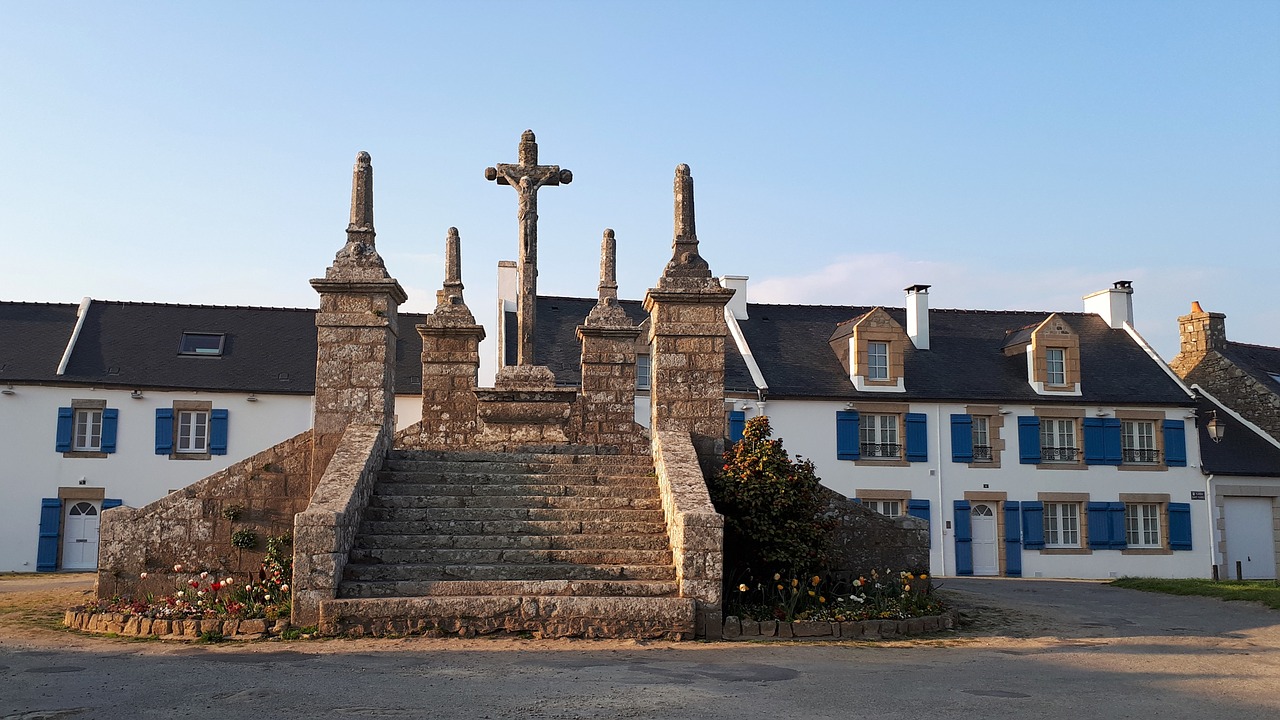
1254 345
204 306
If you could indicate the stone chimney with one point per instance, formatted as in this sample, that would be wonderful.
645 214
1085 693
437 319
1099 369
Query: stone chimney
1201 331
1114 305
738 303
918 316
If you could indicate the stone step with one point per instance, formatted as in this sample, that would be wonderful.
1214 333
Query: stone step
560 571
543 616
581 458
560 502
583 588
387 477
500 556
606 541
510 527
513 468
391 489
482 514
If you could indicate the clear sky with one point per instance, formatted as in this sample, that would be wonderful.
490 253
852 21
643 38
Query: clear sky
1012 155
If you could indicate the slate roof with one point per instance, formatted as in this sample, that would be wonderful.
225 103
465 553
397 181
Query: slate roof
965 361
1242 450
135 345
1259 361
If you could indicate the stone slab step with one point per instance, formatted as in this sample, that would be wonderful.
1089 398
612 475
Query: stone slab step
516 556
515 542
406 489
550 502
482 514
559 571
513 468
580 458
582 588
434 477
543 616
510 527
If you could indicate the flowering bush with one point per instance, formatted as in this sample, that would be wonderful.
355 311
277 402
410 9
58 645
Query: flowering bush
205 594
887 595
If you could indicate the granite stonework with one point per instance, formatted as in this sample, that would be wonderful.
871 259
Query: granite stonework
169 629
1203 360
738 629
863 540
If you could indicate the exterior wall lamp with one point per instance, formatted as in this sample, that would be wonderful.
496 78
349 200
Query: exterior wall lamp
1215 428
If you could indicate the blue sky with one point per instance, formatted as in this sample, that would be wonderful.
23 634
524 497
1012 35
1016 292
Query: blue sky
1012 155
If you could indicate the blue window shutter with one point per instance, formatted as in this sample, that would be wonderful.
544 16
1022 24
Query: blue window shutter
218 432
164 431
1099 526
736 423
1029 440
1094 452
109 503
1116 511
66 421
847 435
961 438
920 509
110 419
1033 525
1175 443
1111 441
856 500
917 437
964 539
50 528
1012 540
1179 526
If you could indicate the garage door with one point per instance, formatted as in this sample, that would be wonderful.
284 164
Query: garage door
1250 537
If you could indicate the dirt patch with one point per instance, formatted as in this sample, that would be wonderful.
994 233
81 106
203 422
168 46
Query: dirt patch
32 606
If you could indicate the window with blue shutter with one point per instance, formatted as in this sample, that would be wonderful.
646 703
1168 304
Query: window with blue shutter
847 435
1012 540
1029 440
66 425
737 422
110 420
1099 525
917 437
1033 525
920 509
1179 526
1115 512
1175 443
164 431
964 539
1111 452
50 529
1093 443
961 438
217 432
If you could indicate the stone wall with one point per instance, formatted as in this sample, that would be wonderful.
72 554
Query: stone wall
191 526
864 539
695 529
1233 387
325 531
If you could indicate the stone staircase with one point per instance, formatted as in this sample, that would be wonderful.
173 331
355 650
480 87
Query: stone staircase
554 544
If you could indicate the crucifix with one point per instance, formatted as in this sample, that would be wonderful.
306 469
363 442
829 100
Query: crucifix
526 177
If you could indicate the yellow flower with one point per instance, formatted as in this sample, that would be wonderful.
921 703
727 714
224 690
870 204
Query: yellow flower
779 587
906 588
812 593
742 587
822 599
815 580
777 576
923 576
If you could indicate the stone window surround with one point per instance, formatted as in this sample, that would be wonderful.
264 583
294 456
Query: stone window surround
76 406
189 405
1157 419
995 423
893 338
884 408
1161 499
1054 333
1064 413
1080 499
997 501
900 496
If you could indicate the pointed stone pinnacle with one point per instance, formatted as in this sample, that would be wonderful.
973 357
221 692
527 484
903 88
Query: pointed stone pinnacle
453 261
362 194
685 261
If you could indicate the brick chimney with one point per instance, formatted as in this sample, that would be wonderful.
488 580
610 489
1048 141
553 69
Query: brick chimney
1201 331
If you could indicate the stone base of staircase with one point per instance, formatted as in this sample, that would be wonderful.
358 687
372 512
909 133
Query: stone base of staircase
541 616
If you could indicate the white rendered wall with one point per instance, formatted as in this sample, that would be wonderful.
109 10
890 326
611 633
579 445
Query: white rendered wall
31 469
808 429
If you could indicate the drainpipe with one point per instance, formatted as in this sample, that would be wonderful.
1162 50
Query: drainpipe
1210 504
942 524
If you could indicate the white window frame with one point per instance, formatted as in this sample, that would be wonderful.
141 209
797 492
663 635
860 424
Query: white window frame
1058 434
191 432
888 508
1055 371
1062 525
877 360
876 431
644 372
1142 525
981 434
1135 442
87 430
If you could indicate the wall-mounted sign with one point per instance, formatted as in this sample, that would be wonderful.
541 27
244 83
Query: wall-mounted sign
1197 494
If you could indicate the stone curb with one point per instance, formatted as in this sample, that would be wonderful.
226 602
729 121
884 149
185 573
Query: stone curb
190 629
738 629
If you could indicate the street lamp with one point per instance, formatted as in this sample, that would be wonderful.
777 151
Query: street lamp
1215 428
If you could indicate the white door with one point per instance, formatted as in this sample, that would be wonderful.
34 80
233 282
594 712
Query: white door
80 536
986 557
1250 537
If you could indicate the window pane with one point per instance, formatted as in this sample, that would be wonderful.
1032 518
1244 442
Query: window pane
200 344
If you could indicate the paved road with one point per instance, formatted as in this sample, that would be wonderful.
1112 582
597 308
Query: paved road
1036 649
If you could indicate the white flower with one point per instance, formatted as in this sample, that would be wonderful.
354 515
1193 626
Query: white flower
200 593
266 597
228 581
177 568
180 593
204 575
143 576
248 588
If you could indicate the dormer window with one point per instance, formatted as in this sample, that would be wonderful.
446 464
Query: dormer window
1055 366
872 349
201 344
1052 349
877 361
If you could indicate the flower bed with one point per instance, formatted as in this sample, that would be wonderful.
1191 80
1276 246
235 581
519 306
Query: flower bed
882 596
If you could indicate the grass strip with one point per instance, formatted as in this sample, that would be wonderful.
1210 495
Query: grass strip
1266 592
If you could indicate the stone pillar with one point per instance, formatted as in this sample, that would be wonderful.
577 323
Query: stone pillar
355 331
450 359
1201 331
687 335
607 404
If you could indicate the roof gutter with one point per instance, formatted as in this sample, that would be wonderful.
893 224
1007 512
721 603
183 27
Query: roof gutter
1142 343
745 350
81 314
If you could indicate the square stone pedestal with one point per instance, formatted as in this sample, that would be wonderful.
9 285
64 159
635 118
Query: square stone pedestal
524 408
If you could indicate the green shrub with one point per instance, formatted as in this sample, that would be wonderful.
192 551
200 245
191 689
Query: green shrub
244 539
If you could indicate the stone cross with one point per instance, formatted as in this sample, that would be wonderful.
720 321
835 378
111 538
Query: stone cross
527 176
685 261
